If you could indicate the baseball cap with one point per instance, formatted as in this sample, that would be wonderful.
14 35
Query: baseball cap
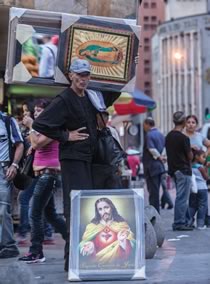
80 66
179 116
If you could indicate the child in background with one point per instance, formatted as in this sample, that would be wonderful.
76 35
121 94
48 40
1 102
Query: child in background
199 201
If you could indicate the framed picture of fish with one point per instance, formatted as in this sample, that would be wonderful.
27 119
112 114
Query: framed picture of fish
109 45
107 241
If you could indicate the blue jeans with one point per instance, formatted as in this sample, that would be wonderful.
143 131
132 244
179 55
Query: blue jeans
43 203
199 203
24 200
6 222
183 187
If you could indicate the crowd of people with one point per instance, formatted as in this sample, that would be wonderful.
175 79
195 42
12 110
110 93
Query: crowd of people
62 137
184 151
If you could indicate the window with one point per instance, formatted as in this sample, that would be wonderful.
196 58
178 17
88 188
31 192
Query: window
153 5
146 19
154 19
146 62
146 27
146 48
146 5
146 85
147 92
146 70
146 40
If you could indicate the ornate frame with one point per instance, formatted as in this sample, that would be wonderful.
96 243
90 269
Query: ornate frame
98 265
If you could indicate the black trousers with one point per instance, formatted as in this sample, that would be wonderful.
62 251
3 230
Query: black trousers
75 175
153 187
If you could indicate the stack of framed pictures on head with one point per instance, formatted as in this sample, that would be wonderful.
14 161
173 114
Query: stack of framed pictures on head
107 235
42 45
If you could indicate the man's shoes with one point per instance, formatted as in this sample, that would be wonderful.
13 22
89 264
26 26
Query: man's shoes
33 258
9 252
182 228
202 227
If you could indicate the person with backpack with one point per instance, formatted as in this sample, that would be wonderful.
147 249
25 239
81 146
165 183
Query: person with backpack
11 151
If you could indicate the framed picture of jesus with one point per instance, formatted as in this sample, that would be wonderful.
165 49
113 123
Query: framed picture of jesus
107 241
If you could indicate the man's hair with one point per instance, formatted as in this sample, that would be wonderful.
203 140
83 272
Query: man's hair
149 121
179 118
116 217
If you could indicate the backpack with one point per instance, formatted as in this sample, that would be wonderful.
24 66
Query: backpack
25 171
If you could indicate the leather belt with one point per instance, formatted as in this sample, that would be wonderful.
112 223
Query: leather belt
46 171
4 164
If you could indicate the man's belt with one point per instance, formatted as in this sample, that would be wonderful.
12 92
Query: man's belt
46 171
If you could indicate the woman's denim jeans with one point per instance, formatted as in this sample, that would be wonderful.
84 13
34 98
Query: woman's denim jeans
24 200
43 202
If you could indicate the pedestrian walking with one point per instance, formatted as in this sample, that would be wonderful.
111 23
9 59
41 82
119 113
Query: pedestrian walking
9 135
153 161
179 157
46 168
71 120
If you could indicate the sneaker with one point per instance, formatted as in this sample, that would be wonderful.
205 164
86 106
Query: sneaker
33 258
182 228
9 252
201 228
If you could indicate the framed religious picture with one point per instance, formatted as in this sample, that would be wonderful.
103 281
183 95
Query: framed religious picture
110 45
107 235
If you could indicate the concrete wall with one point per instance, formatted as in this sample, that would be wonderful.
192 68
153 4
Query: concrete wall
183 8
18 3
109 8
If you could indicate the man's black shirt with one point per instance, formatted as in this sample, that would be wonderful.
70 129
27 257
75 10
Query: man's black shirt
178 150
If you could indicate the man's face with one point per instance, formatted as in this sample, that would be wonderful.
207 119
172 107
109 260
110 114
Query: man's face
104 211
37 111
146 127
80 80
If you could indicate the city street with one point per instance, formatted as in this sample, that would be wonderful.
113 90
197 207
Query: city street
184 258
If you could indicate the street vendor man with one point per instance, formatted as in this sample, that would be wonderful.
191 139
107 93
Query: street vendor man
71 120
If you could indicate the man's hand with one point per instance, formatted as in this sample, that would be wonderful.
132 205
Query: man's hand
76 135
28 121
162 159
11 173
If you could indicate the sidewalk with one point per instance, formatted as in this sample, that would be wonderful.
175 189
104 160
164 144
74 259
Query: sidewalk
183 258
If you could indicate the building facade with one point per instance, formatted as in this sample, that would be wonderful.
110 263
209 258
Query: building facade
150 15
183 8
181 69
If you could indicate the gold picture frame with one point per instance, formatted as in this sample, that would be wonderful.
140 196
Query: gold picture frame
108 51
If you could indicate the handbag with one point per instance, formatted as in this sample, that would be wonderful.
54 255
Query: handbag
108 150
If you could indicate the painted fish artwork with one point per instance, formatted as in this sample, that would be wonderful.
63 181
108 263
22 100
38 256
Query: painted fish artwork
100 53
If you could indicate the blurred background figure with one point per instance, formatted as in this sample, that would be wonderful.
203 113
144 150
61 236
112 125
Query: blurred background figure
133 162
48 56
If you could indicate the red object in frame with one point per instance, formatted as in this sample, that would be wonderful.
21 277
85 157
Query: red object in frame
129 108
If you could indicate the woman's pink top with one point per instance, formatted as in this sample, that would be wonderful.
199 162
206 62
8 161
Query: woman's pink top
47 156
